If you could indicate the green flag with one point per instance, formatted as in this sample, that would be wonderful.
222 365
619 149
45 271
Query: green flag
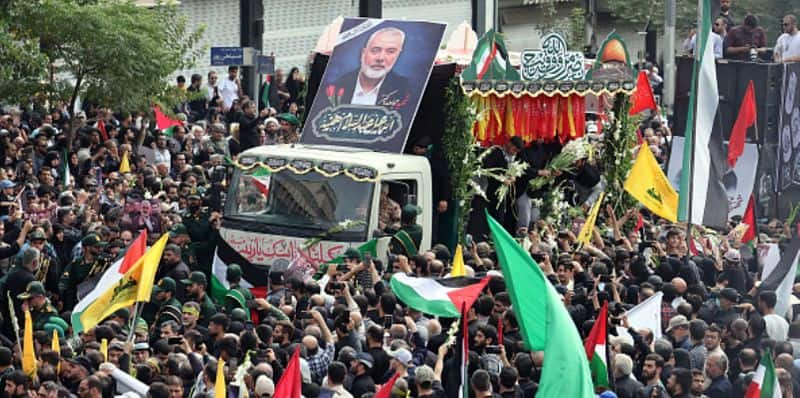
544 322
368 247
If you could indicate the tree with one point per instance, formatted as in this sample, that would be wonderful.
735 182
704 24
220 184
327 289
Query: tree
107 51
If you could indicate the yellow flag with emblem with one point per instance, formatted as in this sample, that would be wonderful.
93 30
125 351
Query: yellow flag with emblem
104 349
135 285
55 345
648 184
588 226
28 356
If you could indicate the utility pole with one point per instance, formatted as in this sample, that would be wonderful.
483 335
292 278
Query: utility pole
370 8
484 16
251 34
669 56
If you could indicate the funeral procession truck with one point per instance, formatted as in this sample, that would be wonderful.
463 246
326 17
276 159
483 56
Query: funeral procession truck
309 203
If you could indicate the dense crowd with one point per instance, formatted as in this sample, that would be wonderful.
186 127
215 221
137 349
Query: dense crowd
69 212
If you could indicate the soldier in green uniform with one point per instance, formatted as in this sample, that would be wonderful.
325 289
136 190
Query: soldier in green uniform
35 299
169 308
237 296
196 291
200 225
179 235
80 268
408 239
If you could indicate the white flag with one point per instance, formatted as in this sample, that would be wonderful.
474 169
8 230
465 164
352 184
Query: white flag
646 315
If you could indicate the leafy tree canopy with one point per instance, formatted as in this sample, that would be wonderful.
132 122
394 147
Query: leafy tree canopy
106 51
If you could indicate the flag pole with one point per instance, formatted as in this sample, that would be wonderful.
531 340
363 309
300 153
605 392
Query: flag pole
697 57
131 330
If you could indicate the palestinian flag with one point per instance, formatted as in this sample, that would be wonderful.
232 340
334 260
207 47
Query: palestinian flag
252 275
595 346
765 381
260 178
110 278
703 200
164 122
490 60
434 296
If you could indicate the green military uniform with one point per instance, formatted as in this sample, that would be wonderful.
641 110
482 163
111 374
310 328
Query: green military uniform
207 307
237 296
188 254
199 229
40 316
78 270
170 309
407 240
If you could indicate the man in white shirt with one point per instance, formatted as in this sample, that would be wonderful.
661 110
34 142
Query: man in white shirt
230 88
717 38
777 326
787 48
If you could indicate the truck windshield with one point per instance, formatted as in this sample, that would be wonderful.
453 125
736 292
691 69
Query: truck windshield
310 201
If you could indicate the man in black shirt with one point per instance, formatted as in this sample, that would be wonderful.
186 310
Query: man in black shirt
362 380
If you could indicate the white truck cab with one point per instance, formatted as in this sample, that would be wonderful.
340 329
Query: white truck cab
281 196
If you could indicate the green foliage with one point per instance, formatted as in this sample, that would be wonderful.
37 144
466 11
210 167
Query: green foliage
23 69
616 154
108 51
459 145
577 37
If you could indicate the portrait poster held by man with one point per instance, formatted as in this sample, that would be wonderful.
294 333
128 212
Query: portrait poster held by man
373 84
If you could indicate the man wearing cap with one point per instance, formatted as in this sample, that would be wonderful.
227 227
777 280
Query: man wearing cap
49 270
407 240
237 296
7 197
35 299
198 284
15 282
165 307
79 269
201 226
400 363
288 125
428 383
360 367
727 311
74 370
738 277
180 240
678 332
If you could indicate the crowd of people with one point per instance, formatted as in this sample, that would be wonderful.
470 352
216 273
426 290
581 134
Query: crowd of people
68 212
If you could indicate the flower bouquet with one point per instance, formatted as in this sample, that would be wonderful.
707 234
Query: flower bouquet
564 162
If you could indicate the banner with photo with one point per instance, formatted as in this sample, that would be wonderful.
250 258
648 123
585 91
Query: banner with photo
373 84
788 166
739 181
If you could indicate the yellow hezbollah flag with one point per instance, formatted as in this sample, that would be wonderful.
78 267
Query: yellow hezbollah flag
219 383
135 285
588 226
458 263
648 184
28 357
124 164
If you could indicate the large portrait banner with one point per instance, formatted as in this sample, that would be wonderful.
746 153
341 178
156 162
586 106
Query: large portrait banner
373 84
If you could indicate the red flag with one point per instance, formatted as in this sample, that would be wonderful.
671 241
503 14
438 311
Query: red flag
500 331
101 126
639 138
384 392
163 121
749 217
466 296
290 384
639 223
642 98
746 118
